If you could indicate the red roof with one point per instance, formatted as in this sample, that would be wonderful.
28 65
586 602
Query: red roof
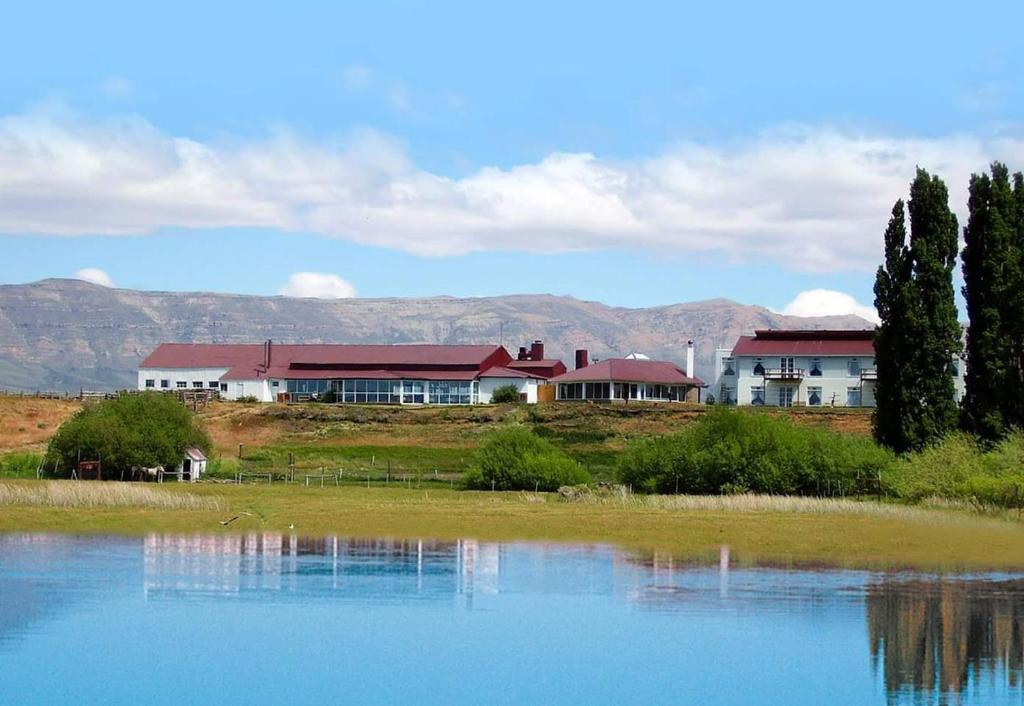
503 372
853 342
659 372
546 368
335 361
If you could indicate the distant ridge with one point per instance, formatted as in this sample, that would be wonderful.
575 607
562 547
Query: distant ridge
60 334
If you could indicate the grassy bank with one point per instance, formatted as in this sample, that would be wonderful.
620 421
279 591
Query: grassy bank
787 530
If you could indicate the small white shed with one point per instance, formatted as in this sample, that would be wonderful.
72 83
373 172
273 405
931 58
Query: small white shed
193 466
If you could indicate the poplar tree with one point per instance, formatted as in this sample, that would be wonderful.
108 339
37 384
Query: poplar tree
1013 313
919 333
990 260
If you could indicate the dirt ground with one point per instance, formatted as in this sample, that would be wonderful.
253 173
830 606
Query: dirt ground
26 423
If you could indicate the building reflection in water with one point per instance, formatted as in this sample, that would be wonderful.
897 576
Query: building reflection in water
939 636
203 565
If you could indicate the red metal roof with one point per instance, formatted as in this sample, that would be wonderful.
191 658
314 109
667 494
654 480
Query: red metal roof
502 372
335 361
659 372
807 343
546 368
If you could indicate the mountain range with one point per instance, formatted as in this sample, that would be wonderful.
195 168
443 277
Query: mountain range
61 334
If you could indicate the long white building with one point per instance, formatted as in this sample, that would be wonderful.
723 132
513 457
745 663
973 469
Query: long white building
780 368
360 374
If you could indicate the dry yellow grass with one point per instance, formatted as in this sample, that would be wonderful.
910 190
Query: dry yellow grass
26 423
92 495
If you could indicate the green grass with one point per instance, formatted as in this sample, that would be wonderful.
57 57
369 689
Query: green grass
376 460
838 535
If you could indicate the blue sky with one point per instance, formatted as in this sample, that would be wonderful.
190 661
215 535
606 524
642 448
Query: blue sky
637 154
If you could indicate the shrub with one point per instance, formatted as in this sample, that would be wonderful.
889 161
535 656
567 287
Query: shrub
150 429
248 399
505 394
514 458
734 451
19 465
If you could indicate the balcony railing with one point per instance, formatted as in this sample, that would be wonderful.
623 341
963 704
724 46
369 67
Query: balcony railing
783 374
868 375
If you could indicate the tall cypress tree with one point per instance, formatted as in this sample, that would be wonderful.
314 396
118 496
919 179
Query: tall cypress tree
991 267
919 332
893 294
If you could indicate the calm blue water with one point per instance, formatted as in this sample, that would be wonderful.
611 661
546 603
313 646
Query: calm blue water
267 619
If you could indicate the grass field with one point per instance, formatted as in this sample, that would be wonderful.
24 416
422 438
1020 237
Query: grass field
835 533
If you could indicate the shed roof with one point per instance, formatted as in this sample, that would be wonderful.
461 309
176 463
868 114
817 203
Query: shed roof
195 454
659 372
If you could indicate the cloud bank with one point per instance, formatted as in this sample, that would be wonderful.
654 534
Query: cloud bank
826 302
318 285
804 198
94 275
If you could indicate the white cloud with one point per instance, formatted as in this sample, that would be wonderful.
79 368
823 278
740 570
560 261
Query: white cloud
808 199
318 285
826 302
94 275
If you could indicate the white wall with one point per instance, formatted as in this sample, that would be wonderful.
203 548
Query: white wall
834 382
176 375
523 385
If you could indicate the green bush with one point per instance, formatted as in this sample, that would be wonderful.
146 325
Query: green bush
248 399
729 450
19 465
959 467
505 394
150 429
514 458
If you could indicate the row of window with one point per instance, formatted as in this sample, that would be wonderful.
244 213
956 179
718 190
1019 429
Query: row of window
183 384
386 391
620 391
788 364
786 395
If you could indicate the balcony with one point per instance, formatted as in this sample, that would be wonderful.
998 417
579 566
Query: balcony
783 374
868 375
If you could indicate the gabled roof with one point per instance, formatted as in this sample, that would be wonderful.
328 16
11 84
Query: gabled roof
851 342
659 372
195 454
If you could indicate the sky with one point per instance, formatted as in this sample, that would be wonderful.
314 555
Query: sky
638 154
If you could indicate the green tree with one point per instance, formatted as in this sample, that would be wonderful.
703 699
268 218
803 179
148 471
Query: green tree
505 394
148 430
514 458
919 332
991 269
1013 314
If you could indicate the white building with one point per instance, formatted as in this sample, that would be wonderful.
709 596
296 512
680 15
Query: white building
361 374
813 368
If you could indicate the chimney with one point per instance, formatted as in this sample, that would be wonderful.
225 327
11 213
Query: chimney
537 350
522 352
266 354
581 358
689 358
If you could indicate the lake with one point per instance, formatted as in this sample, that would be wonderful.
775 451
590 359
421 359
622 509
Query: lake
270 618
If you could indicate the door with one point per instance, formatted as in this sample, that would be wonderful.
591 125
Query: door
786 365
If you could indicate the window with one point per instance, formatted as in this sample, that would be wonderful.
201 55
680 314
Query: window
165 384
786 365
757 396
214 385
954 368
816 368
275 383
853 367
412 392
853 397
198 384
758 366
727 368
786 396
223 387
727 395
814 396
150 382
181 384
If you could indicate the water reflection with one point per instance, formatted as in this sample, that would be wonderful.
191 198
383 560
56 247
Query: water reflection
938 636
929 639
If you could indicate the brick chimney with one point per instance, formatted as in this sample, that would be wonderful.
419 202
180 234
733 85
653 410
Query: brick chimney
582 358
537 350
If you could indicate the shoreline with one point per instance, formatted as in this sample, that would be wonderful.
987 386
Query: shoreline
920 539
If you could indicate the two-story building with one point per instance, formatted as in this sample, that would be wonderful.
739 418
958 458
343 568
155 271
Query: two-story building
827 368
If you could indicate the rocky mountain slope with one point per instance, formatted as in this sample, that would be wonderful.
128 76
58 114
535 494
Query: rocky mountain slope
66 334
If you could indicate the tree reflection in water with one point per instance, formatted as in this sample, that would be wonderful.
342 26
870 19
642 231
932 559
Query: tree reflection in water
939 635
